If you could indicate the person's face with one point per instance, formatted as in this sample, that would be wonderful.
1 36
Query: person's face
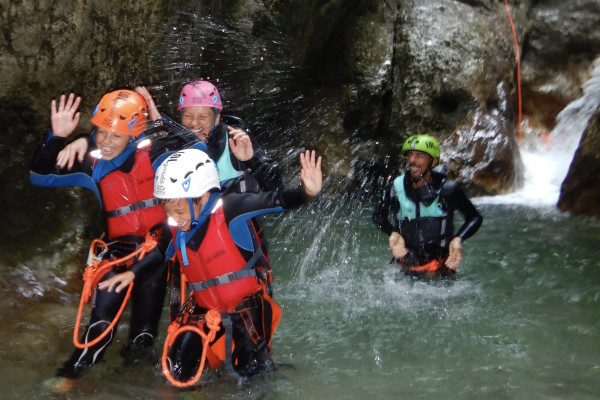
111 143
200 120
178 210
419 164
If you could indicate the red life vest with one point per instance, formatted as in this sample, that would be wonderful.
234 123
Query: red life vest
128 199
215 272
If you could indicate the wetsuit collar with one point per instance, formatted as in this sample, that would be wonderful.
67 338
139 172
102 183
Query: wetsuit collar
425 194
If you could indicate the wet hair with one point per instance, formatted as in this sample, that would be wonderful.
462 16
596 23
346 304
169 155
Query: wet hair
195 200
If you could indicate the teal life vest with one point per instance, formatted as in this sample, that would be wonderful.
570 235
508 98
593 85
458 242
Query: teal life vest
226 169
408 208
427 230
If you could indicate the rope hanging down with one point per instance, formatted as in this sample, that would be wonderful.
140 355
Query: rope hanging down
518 55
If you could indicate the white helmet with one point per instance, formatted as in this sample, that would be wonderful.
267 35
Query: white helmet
187 173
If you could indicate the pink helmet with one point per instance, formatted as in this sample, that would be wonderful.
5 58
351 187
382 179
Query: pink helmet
200 93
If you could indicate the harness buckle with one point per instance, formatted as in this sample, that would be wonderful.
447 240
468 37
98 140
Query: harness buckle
100 256
117 212
224 279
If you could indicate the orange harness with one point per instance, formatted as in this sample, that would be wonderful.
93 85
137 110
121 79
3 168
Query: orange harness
215 353
212 319
93 274
430 269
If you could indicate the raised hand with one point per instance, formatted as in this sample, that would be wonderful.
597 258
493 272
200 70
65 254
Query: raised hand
311 174
153 112
65 117
240 143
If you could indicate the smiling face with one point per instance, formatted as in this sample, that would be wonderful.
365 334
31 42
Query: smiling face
178 211
419 164
200 120
111 143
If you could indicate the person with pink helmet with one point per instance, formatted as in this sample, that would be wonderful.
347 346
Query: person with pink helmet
242 166
200 105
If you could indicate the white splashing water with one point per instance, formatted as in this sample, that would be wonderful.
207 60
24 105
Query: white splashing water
546 167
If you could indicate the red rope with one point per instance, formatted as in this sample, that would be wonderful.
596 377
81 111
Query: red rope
512 27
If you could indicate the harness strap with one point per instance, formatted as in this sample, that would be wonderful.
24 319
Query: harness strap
432 266
227 324
118 212
246 272
95 272
211 320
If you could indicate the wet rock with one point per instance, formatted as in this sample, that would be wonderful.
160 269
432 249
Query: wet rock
563 37
580 193
351 78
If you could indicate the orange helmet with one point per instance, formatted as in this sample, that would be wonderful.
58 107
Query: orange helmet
122 111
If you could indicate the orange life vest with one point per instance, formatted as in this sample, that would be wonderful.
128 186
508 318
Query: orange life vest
218 275
128 199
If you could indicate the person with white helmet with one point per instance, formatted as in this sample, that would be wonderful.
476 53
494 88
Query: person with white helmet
118 169
422 238
218 258
200 105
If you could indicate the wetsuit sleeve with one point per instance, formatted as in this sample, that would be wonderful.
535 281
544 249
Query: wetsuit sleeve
265 170
250 204
240 207
44 159
460 202
388 203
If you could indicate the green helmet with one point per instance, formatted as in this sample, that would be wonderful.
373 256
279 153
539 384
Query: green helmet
425 143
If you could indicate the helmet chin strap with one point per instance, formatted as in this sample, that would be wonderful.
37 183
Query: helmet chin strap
193 214
191 204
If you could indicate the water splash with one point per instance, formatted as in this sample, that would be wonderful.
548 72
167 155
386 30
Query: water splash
546 164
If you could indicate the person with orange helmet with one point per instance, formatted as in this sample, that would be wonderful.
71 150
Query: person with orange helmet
115 162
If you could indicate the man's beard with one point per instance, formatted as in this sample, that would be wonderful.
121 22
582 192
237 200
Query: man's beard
415 177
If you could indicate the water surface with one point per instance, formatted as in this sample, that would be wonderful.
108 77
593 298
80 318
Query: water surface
519 321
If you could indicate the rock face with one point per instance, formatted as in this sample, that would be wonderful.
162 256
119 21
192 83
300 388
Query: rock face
48 48
351 78
580 192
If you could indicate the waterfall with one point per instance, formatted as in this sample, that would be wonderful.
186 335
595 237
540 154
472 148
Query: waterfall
547 162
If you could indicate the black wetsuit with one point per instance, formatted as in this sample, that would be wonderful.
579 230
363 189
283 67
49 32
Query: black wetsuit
150 273
427 238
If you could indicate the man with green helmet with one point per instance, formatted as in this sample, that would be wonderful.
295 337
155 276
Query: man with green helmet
423 201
